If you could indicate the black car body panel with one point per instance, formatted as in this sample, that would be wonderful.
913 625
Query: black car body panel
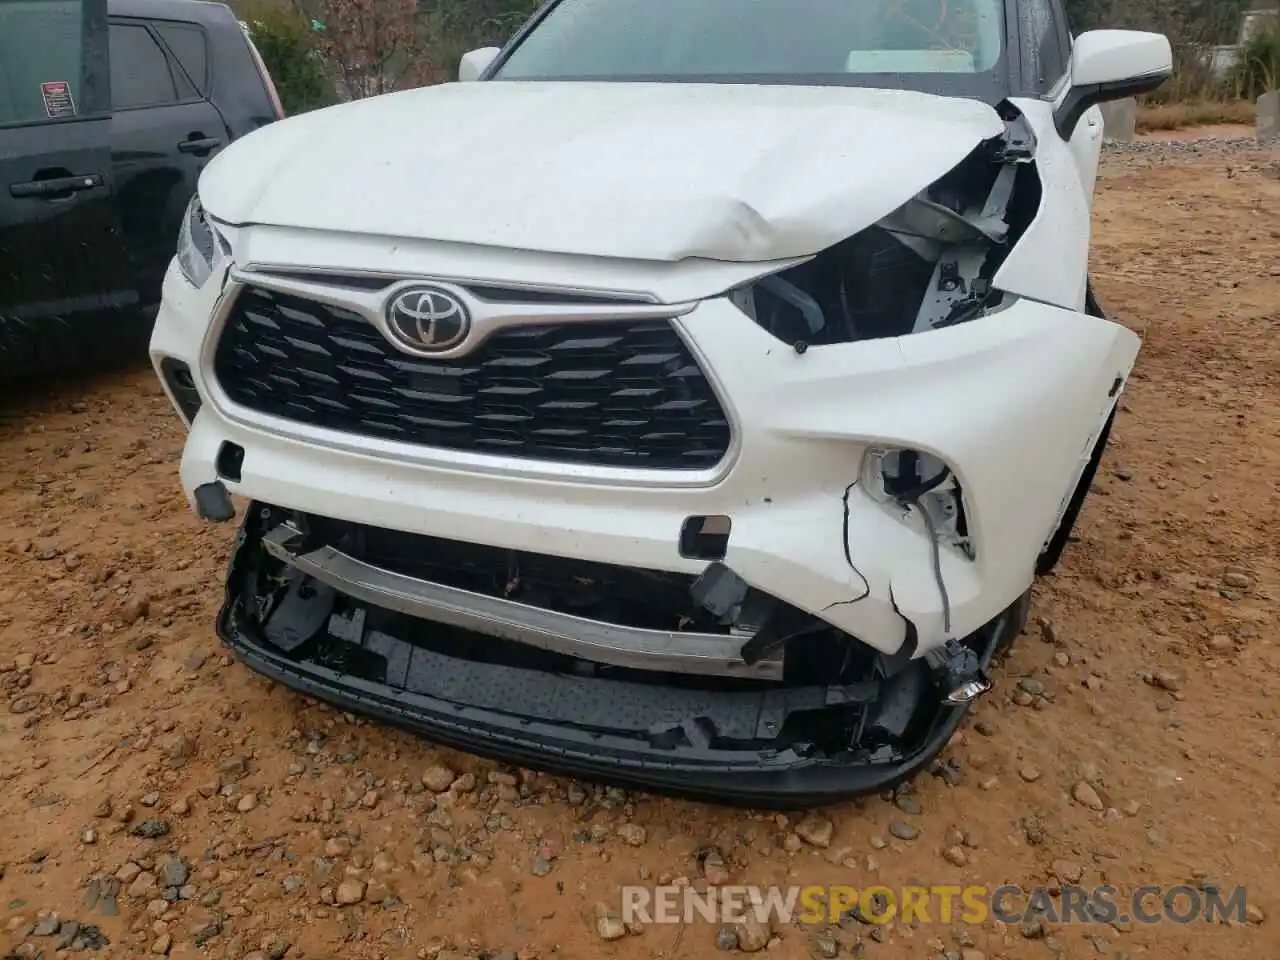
94 183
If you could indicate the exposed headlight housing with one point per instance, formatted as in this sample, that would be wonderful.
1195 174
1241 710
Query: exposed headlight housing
199 247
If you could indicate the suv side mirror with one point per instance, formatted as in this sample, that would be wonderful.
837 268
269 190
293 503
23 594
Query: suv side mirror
1111 65
476 62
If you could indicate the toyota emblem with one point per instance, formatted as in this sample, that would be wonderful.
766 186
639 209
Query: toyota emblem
428 319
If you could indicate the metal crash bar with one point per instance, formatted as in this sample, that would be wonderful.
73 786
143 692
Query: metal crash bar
705 654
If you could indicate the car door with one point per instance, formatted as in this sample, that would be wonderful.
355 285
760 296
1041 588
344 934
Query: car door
163 132
63 269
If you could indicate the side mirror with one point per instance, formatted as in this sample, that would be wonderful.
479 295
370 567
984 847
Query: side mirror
1111 65
476 62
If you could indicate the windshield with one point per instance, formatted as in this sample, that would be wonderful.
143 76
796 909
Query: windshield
951 46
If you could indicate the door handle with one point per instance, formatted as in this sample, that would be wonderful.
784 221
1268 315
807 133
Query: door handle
55 188
199 145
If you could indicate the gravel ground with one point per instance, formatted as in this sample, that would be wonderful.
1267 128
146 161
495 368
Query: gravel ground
159 799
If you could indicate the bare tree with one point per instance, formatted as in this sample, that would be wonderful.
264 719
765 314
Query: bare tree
373 46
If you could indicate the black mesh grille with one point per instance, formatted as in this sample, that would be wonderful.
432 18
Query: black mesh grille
610 393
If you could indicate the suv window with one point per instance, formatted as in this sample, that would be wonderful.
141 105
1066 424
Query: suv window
942 45
187 43
140 75
41 48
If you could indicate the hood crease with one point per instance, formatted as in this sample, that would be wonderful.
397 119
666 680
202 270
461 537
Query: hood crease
639 171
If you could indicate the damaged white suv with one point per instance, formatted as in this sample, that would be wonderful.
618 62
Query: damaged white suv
689 403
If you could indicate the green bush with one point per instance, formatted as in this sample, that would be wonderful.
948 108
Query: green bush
1259 68
288 50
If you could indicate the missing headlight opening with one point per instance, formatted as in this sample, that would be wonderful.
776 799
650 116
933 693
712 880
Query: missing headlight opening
925 266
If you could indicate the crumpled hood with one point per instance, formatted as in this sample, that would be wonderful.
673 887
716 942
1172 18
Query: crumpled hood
649 171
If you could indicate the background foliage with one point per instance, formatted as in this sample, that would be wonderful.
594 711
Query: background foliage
320 51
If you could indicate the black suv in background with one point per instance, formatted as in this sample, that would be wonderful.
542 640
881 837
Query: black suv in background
109 110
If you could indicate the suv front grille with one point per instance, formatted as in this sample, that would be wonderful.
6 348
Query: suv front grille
626 394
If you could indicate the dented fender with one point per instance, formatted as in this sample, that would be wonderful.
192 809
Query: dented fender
1009 401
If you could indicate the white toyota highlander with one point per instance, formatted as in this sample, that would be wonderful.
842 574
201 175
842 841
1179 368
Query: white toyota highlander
686 399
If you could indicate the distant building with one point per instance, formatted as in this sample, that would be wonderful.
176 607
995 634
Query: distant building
1222 59
1257 18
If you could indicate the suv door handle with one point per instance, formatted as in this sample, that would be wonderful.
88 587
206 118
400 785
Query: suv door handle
199 145
55 188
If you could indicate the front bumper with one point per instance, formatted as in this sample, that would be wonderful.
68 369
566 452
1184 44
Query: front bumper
729 744
1011 402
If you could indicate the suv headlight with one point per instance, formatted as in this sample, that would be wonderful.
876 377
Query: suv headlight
199 247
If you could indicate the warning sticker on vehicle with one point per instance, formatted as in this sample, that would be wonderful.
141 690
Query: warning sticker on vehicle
58 102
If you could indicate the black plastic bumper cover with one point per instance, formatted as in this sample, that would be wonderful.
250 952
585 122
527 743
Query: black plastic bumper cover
776 779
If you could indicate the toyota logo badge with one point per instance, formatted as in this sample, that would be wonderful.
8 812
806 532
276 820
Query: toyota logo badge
428 319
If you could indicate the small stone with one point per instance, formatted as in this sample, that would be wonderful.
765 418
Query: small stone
88 836
103 810
985 728
350 891
438 778
955 856
610 927
150 799
972 955
150 829
337 847
753 936
816 830
142 886
1029 773
1166 680
828 948
1254 914
1237 579
369 800
128 873
173 872
46 927
714 869
632 834
162 944
908 803
248 802
1084 794
1033 929
1066 871
1031 686
1034 831
727 938
541 866
903 830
